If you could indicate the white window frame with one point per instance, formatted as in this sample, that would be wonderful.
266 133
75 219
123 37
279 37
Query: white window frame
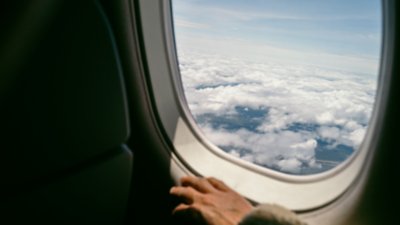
194 154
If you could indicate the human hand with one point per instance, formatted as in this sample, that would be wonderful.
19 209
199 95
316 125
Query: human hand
211 199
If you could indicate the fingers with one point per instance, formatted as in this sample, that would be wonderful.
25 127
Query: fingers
217 184
200 184
180 208
187 194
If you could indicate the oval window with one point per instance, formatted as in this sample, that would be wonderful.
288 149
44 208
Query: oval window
288 85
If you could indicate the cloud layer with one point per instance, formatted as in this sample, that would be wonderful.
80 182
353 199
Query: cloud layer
286 117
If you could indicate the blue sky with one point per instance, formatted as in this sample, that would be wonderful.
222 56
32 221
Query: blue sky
337 34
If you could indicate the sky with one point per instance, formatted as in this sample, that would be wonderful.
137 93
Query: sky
330 33
277 115
285 84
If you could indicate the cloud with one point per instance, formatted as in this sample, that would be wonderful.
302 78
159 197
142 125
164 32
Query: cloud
232 12
276 115
273 150
330 133
189 24
290 165
236 14
277 52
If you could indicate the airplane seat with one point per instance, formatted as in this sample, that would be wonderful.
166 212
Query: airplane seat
63 116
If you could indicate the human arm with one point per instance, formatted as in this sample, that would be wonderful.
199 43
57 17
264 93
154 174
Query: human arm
215 203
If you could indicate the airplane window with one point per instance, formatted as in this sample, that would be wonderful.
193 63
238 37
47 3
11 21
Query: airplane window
288 85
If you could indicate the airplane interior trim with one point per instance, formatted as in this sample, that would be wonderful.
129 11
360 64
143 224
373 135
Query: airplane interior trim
300 193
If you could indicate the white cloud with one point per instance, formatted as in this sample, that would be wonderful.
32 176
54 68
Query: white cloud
357 136
251 15
325 118
257 51
291 165
189 24
302 103
331 133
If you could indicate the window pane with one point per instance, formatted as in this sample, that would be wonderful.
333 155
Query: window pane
288 85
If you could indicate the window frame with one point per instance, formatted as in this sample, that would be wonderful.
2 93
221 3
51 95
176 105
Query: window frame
192 153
